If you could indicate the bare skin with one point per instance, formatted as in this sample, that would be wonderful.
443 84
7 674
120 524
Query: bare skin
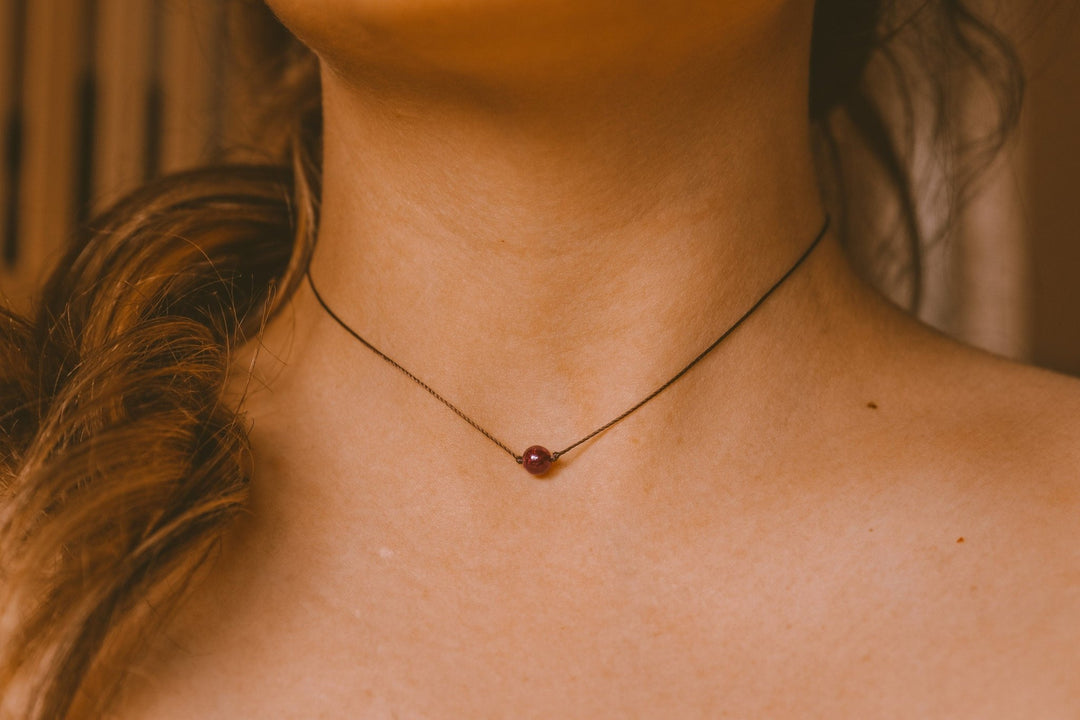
839 513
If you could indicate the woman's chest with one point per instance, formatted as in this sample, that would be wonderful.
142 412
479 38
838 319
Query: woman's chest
779 630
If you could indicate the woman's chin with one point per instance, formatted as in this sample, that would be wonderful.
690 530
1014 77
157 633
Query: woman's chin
500 41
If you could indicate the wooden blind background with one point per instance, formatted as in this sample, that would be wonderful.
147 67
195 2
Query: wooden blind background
98 96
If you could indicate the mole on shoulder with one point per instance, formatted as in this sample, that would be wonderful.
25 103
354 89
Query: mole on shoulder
872 405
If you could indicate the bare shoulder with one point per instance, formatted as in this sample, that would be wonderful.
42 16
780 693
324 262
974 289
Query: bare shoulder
994 446
985 425
934 405
972 468
1013 432
1023 419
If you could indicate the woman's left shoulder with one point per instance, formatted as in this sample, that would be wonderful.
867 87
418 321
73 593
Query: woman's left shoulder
1030 416
1004 437
989 436
1002 469
990 411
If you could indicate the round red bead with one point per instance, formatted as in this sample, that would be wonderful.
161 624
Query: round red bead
536 460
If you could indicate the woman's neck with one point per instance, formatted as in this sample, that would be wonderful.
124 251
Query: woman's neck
574 246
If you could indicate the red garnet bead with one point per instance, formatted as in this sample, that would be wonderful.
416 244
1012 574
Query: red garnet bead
536 460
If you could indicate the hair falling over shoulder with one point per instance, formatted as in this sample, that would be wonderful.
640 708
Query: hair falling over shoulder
122 459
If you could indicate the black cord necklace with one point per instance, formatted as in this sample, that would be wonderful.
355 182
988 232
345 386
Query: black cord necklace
537 459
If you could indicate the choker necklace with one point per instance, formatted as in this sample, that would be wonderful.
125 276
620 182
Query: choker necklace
537 459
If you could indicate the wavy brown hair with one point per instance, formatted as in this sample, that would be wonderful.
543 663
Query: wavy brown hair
123 460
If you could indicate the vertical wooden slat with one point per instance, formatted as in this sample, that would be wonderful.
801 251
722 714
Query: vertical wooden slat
152 102
979 270
124 65
977 283
12 57
990 246
86 116
191 47
1051 183
46 204
993 250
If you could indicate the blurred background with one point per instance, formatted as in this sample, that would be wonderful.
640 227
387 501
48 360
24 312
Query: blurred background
97 96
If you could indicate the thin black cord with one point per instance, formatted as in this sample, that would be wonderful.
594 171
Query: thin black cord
706 351
408 374
556 455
